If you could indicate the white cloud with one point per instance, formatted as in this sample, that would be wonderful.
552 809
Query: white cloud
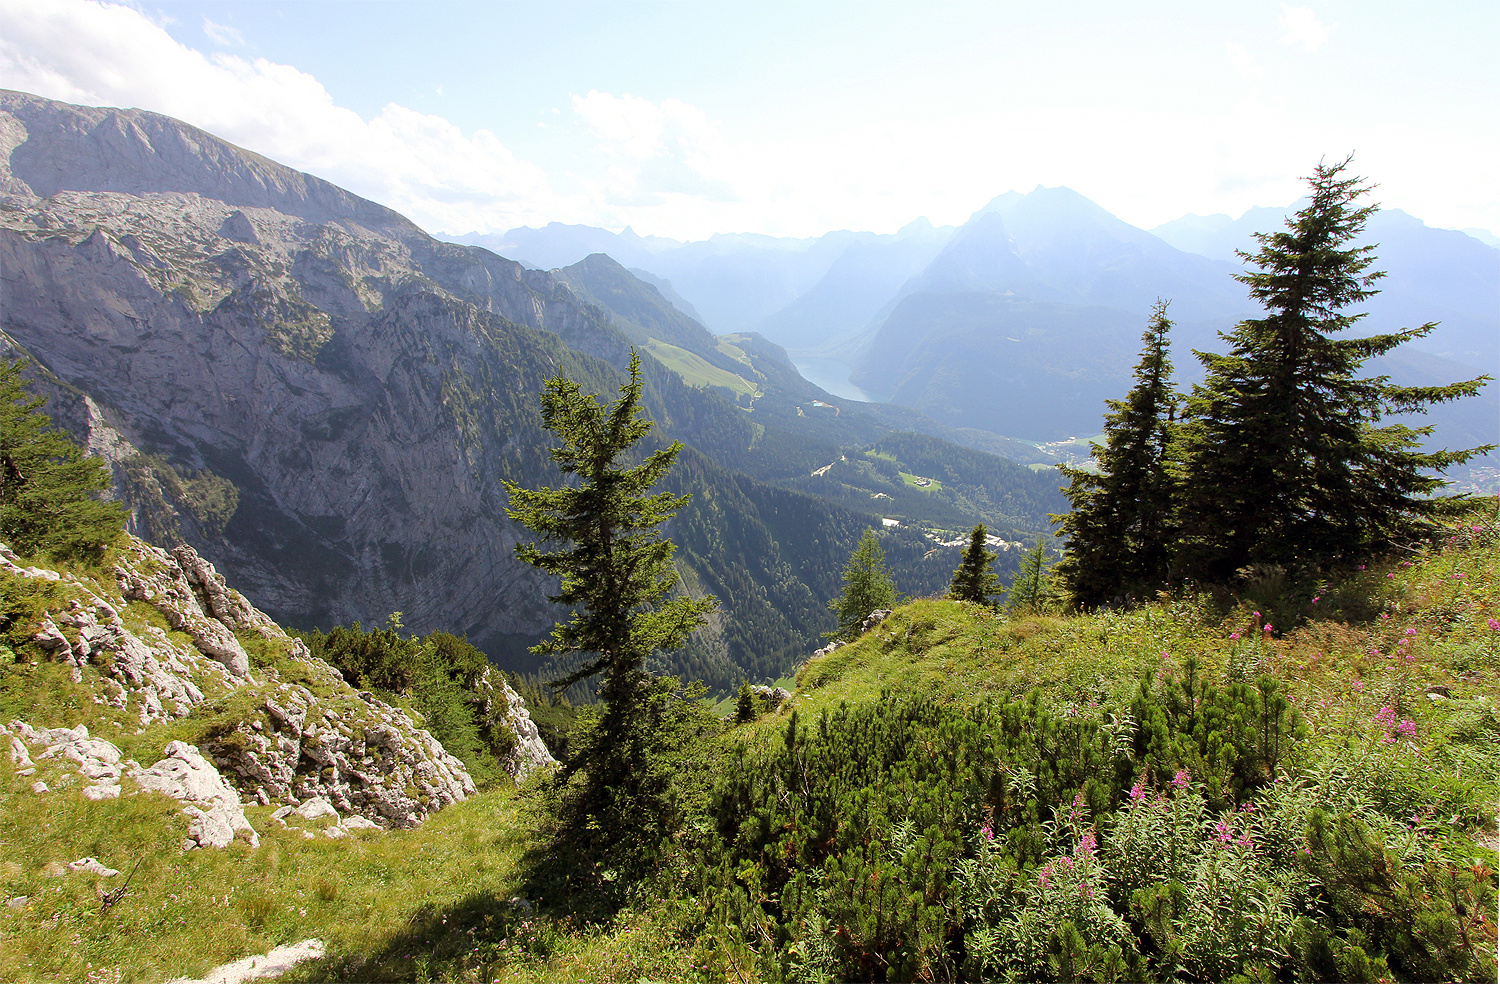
1300 26
669 168
420 165
222 34
656 150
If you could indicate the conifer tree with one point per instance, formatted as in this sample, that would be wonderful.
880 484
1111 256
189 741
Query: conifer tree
49 489
975 580
1284 463
867 587
616 576
1120 528
1032 589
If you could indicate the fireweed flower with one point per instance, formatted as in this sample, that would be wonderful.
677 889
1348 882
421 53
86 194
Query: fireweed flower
1181 780
1495 625
1136 791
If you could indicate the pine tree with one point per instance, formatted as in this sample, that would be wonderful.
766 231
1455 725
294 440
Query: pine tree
867 587
1284 463
1032 589
1120 529
744 704
616 577
49 489
975 580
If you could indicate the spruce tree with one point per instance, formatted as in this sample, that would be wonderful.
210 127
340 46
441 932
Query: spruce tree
1032 588
617 579
49 489
1284 463
975 580
867 587
1120 529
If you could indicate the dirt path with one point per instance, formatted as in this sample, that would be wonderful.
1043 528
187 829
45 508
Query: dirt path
277 962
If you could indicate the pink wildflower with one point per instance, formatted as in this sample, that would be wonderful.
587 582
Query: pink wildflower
1234 636
1407 728
1181 780
1136 791
986 832
1385 717
1495 625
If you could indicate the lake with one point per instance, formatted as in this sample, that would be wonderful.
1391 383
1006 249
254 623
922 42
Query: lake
832 375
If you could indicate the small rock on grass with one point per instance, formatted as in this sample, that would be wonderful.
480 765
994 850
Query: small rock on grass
93 865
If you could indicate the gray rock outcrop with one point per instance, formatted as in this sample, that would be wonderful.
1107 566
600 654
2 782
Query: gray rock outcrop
308 736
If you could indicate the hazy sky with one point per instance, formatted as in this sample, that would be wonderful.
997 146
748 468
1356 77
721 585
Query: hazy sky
688 118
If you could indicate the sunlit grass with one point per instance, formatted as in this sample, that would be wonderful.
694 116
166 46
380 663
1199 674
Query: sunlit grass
187 911
696 371
1418 636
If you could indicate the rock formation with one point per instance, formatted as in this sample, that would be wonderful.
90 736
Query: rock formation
172 641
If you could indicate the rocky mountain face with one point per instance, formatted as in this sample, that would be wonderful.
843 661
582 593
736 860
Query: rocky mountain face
161 646
319 413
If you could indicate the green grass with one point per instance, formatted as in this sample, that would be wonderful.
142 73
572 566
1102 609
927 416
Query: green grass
728 345
433 903
696 372
186 912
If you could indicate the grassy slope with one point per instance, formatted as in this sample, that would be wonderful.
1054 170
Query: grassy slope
431 903
695 371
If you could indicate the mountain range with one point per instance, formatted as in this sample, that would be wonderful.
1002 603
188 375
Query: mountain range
1023 320
325 401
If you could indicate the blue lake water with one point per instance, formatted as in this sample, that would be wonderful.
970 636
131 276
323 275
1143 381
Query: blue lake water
830 374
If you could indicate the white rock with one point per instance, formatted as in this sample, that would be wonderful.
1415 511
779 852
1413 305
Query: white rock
272 964
217 815
317 807
93 865
19 757
102 791
39 787
360 823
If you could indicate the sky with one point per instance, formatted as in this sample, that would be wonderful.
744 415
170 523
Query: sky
685 119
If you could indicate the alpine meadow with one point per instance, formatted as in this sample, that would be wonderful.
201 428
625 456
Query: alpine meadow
561 602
